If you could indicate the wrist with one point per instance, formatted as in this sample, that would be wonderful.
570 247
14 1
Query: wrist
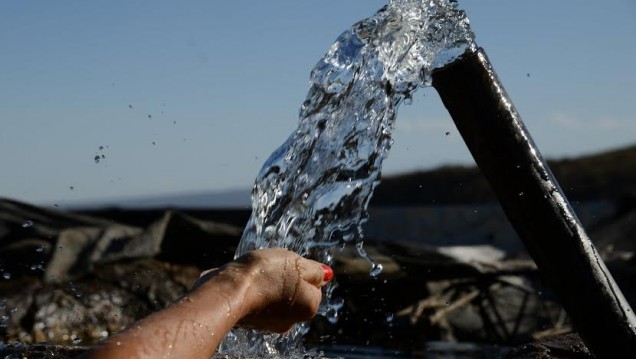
230 288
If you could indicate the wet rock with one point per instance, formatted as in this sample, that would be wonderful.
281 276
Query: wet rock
39 351
568 346
94 307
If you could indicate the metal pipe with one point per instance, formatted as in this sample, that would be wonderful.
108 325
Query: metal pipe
535 205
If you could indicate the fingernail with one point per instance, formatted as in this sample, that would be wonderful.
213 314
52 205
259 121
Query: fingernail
328 273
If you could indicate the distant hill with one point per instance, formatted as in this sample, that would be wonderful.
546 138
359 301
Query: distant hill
608 175
239 198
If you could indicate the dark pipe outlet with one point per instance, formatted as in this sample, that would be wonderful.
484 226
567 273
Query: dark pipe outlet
535 205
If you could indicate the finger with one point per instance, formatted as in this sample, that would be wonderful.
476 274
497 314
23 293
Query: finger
316 273
306 303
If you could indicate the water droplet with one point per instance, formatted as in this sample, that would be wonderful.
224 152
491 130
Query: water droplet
376 269
6 275
520 194
27 224
71 188
40 249
76 341
389 317
447 133
332 315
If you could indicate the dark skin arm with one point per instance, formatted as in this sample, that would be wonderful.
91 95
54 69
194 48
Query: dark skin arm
269 289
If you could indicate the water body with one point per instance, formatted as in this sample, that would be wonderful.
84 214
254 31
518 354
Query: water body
312 193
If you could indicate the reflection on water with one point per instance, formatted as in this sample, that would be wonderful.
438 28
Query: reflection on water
430 350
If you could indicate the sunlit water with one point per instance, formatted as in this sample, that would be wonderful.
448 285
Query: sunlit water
312 193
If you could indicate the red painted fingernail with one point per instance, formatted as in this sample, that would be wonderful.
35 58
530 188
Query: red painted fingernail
328 273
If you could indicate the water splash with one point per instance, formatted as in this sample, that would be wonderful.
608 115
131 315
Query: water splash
313 191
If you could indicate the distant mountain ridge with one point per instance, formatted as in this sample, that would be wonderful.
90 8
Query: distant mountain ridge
607 175
237 198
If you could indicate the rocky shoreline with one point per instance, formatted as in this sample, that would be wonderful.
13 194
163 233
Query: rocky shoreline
71 279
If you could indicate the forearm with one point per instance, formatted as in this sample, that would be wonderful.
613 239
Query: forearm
191 328
269 289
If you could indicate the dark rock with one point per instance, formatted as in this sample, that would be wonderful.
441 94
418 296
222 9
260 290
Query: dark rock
93 307
39 351
567 346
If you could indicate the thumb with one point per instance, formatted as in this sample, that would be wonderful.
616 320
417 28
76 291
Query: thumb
316 273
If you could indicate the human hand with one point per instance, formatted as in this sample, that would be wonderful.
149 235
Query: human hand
269 289
283 288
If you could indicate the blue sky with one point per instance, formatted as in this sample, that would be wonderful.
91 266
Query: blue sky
194 96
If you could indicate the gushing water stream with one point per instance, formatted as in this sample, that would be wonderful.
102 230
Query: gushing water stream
313 191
